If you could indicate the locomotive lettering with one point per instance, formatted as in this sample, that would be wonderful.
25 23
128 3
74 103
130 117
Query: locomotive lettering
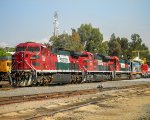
63 58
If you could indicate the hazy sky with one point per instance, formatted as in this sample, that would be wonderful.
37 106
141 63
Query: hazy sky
26 20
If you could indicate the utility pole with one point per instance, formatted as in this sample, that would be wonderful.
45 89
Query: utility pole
56 24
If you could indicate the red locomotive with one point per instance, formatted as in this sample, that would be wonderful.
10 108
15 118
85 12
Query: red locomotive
144 69
148 63
36 64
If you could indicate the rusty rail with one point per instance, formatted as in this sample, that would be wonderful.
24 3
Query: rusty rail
56 95
45 96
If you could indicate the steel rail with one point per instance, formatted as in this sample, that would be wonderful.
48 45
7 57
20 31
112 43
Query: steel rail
57 95
74 106
45 96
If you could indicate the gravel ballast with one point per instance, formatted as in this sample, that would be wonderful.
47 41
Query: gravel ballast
71 87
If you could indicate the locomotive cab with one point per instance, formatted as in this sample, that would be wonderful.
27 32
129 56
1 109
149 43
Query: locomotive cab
28 59
87 61
29 56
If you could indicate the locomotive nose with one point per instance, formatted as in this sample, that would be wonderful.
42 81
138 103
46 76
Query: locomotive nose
22 56
19 60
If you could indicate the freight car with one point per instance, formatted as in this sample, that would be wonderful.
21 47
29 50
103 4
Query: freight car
5 68
36 64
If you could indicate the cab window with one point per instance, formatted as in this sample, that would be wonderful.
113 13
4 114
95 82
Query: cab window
84 55
8 63
33 49
44 51
20 49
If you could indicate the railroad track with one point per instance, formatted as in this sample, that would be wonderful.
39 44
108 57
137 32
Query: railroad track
4 85
64 109
53 111
97 100
37 97
55 95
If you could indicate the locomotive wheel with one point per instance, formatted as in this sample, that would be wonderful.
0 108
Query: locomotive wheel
26 80
41 80
10 79
29 81
72 79
16 82
13 83
77 79
22 81
80 80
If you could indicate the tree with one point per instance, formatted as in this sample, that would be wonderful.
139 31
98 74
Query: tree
75 35
136 42
124 42
148 57
68 42
114 46
104 48
62 41
75 41
84 38
137 45
91 39
9 49
3 52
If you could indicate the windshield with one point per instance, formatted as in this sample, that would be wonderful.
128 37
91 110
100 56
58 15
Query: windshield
20 49
84 55
33 49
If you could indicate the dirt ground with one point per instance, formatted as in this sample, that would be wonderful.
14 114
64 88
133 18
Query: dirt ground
126 104
133 108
